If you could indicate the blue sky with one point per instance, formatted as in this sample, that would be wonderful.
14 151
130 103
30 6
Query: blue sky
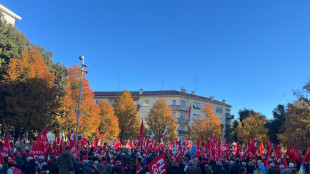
251 53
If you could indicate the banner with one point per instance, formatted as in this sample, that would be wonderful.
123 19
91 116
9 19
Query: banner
158 165
5 149
40 146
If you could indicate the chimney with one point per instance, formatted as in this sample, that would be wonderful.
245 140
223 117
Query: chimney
223 101
140 91
212 98
182 89
193 92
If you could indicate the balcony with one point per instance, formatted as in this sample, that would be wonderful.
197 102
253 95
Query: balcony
179 108
181 132
182 120
228 116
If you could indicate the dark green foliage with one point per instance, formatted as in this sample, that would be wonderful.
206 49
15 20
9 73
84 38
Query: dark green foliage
274 125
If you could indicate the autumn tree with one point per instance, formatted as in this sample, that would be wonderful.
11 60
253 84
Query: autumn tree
206 125
296 127
89 111
253 125
108 122
161 114
28 93
126 112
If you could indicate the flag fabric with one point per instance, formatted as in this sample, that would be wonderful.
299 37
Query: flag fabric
158 165
269 147
302 169
40 146
261 148
5 149
149 142
189 113
164 132
140 137
307 155
197 154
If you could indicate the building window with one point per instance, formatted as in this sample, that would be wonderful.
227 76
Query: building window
196 105
219 110
174 114
146 103
174 102
183 103
182 127
195 116
98 101
182 115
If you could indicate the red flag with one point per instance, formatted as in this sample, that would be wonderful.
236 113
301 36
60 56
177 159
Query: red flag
61 146
85 158
269 147
307 155
261 148
189 112
72 144
278 151
158 165
5 149
40 146
197 153
140 136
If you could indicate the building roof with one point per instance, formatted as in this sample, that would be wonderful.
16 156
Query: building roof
9 12
136 94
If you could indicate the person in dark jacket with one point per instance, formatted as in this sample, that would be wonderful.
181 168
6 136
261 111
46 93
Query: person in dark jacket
191 169
219 169
272 169
174 169
117 169
52 166
235 168
87 168
31 166
66 162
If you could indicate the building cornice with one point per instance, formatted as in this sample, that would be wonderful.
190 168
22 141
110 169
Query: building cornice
9 12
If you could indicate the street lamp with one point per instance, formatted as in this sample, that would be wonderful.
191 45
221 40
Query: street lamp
78 116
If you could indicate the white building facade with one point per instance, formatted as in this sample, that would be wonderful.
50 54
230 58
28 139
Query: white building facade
178 101
8 15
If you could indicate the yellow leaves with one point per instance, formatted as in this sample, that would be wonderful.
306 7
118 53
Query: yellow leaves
206 125
253 125
296 126
160 114
125 110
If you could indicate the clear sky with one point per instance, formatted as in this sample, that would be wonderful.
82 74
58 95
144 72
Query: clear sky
250 52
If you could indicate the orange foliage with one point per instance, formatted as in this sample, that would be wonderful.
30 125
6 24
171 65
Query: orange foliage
89 111
29 93
205 125
108 122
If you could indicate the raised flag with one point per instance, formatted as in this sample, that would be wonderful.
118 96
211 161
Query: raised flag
189 113
40 146
158 165
261 148
164 132
140 137
302 169
197 154
5 149
306 157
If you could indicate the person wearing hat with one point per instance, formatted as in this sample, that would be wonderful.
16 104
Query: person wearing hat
117 169
12 169
41 162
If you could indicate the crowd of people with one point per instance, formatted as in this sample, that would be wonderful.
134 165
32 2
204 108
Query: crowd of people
127 161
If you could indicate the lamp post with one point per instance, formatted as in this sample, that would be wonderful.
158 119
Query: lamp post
78 116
